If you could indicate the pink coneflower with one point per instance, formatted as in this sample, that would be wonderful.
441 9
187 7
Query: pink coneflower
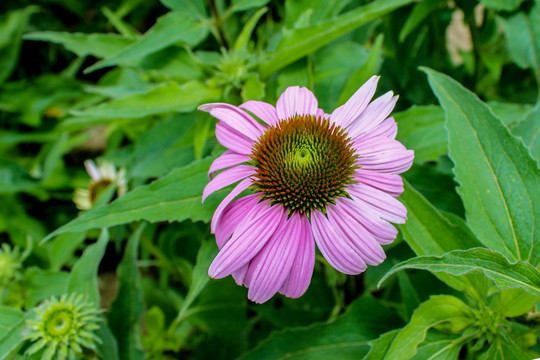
316 178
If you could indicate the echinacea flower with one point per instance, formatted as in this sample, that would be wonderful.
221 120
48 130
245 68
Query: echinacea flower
63 328
102 177
329 179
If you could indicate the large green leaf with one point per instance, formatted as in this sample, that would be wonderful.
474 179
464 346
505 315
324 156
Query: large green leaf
345 338
175 197
128 307
429 232
165 98
421 128
169 29
99 45
437 310
300 42
491 263
499 181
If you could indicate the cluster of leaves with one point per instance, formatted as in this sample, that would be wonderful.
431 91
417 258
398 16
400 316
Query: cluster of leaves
121 81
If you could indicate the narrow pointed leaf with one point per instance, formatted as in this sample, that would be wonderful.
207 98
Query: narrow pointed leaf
499 181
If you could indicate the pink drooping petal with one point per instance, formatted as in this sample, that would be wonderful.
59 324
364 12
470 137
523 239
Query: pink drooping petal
233 140
248 239
272 265
262 110
228 177
242 185
383 231
227 159
304 261
384 155
335 250
373 115
350 111
236 118
296 101
358 237
240 274
92 170
231 217
386 129
382 204
389 183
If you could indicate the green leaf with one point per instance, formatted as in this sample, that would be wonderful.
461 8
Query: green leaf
194 8
493 264
345 338
529 131
437 310
510 113
169 29
429 232
504 349
421 128
499 181
12 327
243 38
63 248
98 45
380 346
42 284
83 279
502 5
514 302
8 318
128 307
523 39
440 346
300 42
200 277
363 73
419 12
165 98
175 197
12 26
240 5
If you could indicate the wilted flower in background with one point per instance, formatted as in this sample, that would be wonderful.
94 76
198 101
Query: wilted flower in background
63 328
103 176
318 178
10 264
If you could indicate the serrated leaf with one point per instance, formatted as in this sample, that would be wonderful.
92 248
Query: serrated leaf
421 128
128 307
435 311
174 197
169 29
493 264
98 45
300 42
165 98
345 338
499 181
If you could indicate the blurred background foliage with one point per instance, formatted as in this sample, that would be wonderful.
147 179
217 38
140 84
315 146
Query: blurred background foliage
119 82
